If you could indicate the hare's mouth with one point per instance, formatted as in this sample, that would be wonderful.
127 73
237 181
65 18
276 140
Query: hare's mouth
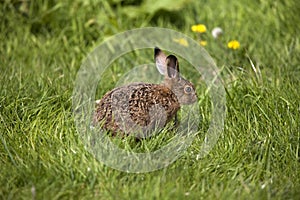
184 100
193 99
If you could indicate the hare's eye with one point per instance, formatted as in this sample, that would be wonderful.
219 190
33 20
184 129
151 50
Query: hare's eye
187 89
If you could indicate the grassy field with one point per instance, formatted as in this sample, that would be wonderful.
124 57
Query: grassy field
43 44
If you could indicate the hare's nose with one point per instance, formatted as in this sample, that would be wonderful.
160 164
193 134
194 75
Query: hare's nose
194 98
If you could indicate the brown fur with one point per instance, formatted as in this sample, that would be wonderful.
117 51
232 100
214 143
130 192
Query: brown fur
144 106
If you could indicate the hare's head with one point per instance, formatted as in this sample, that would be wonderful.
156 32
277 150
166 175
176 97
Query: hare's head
169 67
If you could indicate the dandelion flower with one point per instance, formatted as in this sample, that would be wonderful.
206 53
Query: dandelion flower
182 42
217 32
203 43
200 28
233 44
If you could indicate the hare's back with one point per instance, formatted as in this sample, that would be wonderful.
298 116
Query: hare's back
136 101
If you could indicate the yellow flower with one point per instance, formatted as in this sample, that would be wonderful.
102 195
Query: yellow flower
233 44
199 28
181 41
203 43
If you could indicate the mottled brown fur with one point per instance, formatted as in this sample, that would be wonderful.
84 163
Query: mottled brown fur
143 106
139 97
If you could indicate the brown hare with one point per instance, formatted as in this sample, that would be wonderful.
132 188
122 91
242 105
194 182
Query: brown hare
139 108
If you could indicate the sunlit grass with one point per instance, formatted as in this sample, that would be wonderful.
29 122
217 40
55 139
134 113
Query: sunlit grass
42 156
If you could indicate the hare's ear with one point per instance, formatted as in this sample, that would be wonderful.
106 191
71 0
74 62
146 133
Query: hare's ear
160 60
172 66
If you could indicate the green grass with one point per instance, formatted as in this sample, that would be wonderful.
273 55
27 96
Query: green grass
42 47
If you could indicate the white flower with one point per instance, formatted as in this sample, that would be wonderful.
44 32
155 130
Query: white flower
217 32
33 192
